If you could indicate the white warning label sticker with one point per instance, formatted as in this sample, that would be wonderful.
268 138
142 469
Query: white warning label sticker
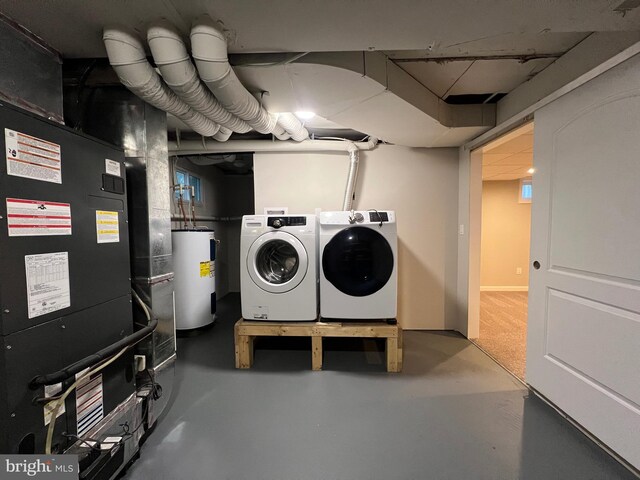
89 405
107 227
47 283
34 218
32 157
112 167
50 391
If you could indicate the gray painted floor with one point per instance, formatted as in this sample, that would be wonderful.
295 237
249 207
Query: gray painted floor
451 414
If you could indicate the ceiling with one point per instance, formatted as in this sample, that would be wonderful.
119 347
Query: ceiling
509 157
441 44
439 27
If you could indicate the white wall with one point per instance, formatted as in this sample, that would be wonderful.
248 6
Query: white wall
421 185
506 226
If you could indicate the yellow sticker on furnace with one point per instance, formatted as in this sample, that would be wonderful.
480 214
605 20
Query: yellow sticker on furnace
107 227
206 269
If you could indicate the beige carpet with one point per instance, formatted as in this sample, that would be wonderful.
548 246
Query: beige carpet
503 328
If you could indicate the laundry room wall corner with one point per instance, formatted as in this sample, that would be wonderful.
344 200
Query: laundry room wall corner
420 184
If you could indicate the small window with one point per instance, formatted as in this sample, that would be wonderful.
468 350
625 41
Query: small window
526 190
188 180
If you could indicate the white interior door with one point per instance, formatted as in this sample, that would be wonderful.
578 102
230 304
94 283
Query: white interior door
583 349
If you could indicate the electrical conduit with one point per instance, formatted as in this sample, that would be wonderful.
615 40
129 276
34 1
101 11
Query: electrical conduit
128 59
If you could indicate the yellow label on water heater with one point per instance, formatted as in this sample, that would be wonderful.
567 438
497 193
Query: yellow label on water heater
206 269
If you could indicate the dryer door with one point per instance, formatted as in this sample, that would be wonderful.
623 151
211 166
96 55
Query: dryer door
277 262
358 261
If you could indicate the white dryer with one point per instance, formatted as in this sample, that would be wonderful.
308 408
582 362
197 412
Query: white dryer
278 257
358 278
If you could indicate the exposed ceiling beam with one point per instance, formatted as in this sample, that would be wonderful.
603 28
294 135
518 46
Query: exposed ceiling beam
520 58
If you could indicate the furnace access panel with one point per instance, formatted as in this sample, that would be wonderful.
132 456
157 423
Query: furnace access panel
65 273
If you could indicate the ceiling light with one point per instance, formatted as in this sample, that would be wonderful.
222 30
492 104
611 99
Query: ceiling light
305 115
531 170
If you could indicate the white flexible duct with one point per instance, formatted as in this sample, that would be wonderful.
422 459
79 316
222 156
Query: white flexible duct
171 56
209 49
195 147
128 59
223 134
293 126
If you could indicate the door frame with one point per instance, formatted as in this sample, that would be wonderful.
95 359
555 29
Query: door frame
470 196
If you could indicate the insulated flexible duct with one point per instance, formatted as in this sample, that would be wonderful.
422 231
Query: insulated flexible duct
293 126
209 49
171 56
128 59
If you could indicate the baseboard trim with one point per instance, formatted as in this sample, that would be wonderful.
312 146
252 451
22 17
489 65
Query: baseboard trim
504 288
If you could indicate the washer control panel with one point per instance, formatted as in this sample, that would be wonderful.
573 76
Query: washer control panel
278 222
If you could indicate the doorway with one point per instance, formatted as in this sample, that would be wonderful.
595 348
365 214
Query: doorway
505 229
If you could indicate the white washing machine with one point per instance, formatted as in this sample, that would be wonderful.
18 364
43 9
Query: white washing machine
359 271
278 256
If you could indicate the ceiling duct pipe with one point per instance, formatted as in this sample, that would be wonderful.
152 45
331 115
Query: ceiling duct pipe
128 58
197 147
209 49
171 56
293 126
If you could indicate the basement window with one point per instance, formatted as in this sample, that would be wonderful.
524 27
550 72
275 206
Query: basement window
526 190
188 180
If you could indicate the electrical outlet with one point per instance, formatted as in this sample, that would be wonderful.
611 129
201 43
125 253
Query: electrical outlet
461 229
518 270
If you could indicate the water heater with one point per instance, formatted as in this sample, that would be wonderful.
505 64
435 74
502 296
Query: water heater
194 282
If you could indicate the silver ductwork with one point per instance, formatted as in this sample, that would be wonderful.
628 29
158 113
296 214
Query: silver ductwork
171 56
31 72
128 58
141 130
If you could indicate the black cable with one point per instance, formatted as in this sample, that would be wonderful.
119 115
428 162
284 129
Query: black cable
379 216
156 393
91 360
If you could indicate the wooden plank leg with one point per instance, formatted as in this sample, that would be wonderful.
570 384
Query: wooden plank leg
251 350
244 351
316 353
392 354
236 344
400 350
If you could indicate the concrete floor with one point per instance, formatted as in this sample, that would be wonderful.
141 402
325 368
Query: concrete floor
451 414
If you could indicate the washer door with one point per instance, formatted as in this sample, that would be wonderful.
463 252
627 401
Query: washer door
277 262
358 261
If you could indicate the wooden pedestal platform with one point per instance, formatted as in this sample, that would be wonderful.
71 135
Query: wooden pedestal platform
245 332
